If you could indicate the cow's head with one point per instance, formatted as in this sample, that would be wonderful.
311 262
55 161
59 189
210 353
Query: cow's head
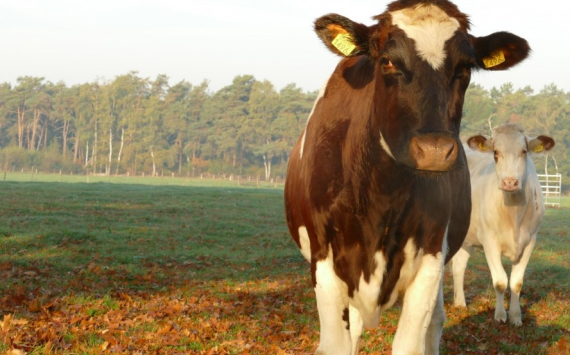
422 57
512 150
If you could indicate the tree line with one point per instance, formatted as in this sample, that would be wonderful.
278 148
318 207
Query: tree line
133 125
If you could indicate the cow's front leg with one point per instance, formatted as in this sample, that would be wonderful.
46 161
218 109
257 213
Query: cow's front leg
334 313
516 282
458 266
499 276
435 329
418 308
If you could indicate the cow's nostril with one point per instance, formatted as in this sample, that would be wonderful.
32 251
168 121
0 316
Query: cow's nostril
451 150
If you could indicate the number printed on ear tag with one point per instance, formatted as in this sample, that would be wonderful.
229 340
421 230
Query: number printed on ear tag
495 59
343 42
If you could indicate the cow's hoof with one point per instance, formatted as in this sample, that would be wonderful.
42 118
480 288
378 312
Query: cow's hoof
515 319
500 316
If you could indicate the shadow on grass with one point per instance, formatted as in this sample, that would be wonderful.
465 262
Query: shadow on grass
481 334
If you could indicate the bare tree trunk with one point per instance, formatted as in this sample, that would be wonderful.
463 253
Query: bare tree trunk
21 118
95 143
267 165
120 149
64 133
76 147
40 137
153 163
109 163
491 123
35 122
180 158
86 153
28 137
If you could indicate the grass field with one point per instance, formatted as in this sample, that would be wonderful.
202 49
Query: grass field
196 267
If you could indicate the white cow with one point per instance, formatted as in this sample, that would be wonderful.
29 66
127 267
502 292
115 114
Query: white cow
507 210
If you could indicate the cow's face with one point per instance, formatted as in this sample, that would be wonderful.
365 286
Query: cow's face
511 149
423 57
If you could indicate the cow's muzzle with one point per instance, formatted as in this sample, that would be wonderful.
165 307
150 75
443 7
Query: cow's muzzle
434 152
510 184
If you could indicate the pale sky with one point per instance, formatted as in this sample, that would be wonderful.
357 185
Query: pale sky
78 41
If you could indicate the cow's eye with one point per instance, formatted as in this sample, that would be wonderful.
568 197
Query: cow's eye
524 152
387 64
462 73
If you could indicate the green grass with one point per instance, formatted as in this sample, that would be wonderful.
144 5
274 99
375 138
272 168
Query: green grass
195 266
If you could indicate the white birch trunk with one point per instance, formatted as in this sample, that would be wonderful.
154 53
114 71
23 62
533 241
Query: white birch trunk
153 164
120 149
87 153
267 165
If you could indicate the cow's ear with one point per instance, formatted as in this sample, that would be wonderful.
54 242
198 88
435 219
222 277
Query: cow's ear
500 50
540 145
342 36
481 144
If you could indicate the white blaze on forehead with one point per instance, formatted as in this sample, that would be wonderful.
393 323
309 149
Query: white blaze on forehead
430 28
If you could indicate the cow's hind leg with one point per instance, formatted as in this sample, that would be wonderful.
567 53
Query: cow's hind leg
517 275
417 310
458 266
334 313
500 279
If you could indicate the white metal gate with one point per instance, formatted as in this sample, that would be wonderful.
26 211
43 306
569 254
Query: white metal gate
551 188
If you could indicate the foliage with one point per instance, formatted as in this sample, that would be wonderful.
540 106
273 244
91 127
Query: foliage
195 269
132 125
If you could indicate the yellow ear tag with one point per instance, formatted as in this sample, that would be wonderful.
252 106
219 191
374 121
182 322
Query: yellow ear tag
539 148
482 147
495 59
343 42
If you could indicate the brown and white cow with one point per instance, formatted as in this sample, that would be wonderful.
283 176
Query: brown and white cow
377 195
507 211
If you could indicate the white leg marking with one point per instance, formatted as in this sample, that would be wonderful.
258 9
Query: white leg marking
365 299
423 295
321 94
332 301
430 27
385 146
407 272
433 335
517 275
305 243
356 328
458 266
419 303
